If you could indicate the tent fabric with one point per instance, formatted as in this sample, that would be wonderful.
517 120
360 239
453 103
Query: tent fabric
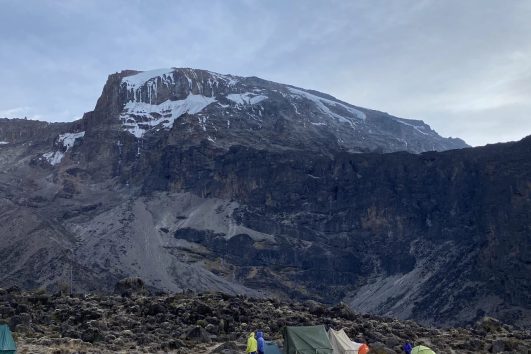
364 349
420 349
7 344
342 344
271 348
306 340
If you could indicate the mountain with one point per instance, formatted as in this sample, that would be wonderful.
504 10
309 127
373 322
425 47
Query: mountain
229 110
194 180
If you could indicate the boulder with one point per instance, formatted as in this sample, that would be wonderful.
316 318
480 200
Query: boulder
130 286
198 334
91 335
13 290
380 348
343 310
20 319
227 348
498 346
155 309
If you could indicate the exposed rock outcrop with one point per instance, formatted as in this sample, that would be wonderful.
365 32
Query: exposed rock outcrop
200 181
130 287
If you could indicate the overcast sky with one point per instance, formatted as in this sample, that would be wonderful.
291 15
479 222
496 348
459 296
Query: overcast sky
464 67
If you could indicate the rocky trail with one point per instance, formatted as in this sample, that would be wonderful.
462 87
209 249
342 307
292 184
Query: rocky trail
134 322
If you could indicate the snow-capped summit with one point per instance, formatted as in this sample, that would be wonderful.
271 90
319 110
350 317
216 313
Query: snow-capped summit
228 110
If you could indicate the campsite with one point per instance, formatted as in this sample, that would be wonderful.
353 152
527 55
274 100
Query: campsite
317 340
218 323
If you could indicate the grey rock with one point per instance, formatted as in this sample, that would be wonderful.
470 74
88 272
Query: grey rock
198 334
295 189
130 286
380 348
228 348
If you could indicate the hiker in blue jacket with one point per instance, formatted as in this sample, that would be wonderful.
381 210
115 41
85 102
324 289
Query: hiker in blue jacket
408 347
260 340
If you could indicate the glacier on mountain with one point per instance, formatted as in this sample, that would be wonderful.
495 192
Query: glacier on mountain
138 117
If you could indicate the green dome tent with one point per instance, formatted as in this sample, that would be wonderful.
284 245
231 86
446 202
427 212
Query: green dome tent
306 340
420 349
7 344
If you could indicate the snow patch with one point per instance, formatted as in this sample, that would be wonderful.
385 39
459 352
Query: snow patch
138 80
202 122
54 157
324 103
139 117
248 98
229 79
69 139
295 107
148 80
4 142
418 128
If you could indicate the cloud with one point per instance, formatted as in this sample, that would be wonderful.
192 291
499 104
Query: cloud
20 112
457 65
16 111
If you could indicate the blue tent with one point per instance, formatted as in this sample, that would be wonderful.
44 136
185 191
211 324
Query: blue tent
7 344
271 348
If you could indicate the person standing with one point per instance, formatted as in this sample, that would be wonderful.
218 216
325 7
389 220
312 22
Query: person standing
252 346
260 340
408 347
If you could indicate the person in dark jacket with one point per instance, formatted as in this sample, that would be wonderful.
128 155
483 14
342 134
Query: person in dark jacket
408 347
260 340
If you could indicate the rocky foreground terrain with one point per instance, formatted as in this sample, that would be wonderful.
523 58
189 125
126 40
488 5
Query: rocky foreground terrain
134 322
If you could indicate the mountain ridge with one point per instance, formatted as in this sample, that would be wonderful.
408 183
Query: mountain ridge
269 205
156 87
129 95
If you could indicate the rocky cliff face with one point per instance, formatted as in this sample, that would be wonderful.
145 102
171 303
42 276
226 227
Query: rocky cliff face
14 131
195 180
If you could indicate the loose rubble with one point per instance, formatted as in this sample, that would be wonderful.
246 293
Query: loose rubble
133 322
